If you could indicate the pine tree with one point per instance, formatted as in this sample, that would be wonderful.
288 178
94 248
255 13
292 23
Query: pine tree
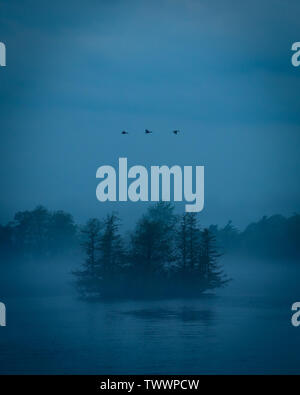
91 235
112 253
208 262
188 243
193 235
182 244
88 279
152 242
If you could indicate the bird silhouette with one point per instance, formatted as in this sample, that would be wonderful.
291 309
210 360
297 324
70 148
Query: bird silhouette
147 131
124 132
176 131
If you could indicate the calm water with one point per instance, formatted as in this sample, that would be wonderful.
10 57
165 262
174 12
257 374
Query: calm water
244 328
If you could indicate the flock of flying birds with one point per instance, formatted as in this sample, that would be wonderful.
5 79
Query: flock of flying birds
149 131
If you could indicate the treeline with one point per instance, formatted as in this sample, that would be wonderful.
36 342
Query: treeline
274 237
165 255
39 233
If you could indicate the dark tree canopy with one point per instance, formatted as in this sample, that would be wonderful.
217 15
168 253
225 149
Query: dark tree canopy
165 254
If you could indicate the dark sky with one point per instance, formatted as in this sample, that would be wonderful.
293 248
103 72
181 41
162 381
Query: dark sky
79 72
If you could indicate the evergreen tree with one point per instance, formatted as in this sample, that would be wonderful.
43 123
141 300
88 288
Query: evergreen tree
193 234
188 243
182 244
152 243
88 279
208 264
90 242
112 253
145 255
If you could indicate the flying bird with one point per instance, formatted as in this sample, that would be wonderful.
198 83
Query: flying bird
147 131
124 132
176 131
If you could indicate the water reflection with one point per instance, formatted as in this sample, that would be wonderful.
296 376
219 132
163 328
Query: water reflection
184 314
245 328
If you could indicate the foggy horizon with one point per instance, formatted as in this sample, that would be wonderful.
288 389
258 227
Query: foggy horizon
148 287
77 84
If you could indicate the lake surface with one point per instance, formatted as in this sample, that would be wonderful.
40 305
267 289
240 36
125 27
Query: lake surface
244 328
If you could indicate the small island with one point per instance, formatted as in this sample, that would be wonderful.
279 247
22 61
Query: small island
166 255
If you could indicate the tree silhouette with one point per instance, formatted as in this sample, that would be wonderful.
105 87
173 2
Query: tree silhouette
111 247
152 242
90 242
182 244
165 255
31 230
208 264
193 233
87 279
188 243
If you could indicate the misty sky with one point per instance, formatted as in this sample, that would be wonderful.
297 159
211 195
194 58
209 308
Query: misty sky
79 72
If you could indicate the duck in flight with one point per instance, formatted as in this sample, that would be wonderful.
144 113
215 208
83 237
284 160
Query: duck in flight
149 131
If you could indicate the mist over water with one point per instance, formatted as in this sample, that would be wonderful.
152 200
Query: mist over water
75 78
221 73
243 328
